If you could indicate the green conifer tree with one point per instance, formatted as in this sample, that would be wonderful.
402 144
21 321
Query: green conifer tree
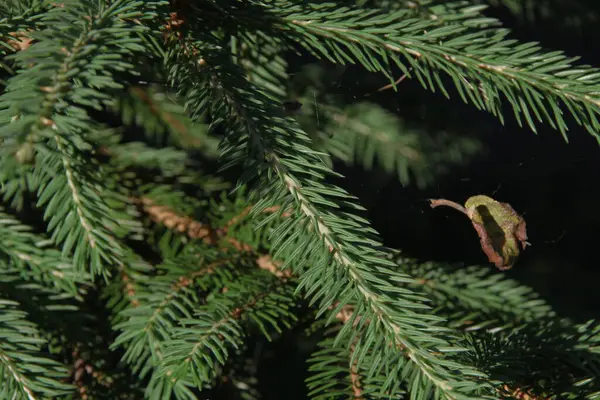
164 205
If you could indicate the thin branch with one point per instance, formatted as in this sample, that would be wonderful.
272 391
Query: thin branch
166 216
21 40
448 203
87 227
129 286
7 361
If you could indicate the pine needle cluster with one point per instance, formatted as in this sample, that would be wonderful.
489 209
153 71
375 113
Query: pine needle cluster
161 209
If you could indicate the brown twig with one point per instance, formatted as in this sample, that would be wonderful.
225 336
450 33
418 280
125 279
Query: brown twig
164 215
20 42
443 202
268 264
197 230
129 288
391 85
237 218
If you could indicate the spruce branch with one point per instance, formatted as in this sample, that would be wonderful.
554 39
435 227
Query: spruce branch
330 377
480 293
18 19
77 226
501 312
170 161
334 240
163 119
335 374
169 176
400 327
54 93
45 264
122 291
524 358
26 372
16 182
364 133
203 342
261 57
491 305
483 64
169 296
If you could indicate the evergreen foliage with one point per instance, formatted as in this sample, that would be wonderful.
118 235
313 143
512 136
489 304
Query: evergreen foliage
162 212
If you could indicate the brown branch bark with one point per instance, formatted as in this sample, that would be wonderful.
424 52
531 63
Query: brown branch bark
163 215
443 202
21 40
197 230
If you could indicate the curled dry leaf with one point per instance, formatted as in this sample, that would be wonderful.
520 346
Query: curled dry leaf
502 231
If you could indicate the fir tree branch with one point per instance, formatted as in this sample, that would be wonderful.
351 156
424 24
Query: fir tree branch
162 214
395 319
165 299
170 161
364 132
493 306
263 141
334 375
518 313
330 377
121 292
25 372
53 94
483 64
159 114
524 358
18 19
75 211
205 341
16 182
46 264
482 291
481 294
167 176
261 57
479 290
322 383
